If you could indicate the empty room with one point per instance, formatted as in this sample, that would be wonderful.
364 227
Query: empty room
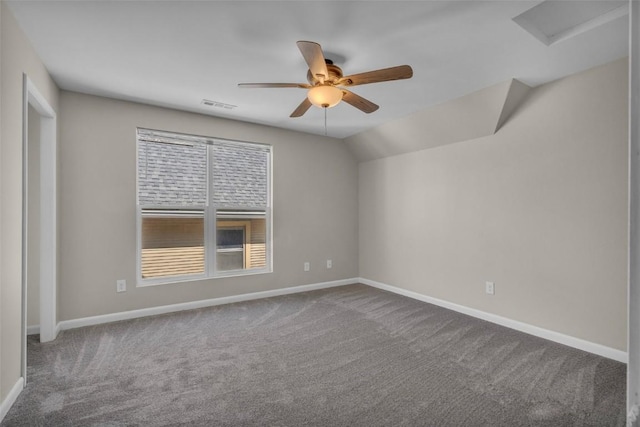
319 213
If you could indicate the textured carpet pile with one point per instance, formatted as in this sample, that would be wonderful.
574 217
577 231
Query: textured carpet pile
347 356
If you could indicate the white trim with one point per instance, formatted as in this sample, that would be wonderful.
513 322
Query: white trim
632 416
48 205
25 225
600 350
58 329
209 214
172 280
152 311
33 330
633 256
8 402
48 197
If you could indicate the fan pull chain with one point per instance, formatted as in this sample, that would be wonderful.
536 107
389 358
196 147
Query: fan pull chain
325 121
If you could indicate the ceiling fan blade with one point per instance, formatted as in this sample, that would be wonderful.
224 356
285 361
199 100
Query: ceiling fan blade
302 108
312 53
270 85
359 102
384 75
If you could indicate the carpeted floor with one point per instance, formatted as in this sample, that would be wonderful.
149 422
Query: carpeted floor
347 356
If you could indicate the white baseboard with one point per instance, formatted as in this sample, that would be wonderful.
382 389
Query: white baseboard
600 350
57 330
632 416
570 341
33 330
8 402
151 311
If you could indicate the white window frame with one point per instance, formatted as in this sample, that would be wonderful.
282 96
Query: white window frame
210 236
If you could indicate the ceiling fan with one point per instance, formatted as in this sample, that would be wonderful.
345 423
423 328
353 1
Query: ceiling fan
327 85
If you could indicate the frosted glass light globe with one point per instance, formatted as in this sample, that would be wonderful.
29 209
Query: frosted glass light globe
324 96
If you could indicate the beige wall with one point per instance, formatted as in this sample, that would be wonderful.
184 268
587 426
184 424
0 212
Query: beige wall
539 208
17 57
33 219
315 210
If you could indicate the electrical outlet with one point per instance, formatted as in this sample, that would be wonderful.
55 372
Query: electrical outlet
121 285
329 263
307 266
489 288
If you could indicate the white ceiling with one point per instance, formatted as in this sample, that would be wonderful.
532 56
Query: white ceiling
175 53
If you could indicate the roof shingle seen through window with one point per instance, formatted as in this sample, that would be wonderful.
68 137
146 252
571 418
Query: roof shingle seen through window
239 176
176 175
172 175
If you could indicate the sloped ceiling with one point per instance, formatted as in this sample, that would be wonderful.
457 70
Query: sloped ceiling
469 117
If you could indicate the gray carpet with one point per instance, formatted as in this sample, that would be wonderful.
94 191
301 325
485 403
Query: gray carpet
347 356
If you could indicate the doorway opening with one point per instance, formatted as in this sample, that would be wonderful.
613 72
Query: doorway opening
39 210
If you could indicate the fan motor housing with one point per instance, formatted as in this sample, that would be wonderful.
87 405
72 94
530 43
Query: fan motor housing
335 74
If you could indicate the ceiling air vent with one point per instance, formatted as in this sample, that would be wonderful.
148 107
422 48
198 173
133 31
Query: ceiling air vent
216 104
554 21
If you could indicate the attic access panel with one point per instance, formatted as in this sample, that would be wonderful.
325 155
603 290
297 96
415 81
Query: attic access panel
553 21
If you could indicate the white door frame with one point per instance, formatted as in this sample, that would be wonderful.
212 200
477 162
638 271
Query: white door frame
48 213
633 316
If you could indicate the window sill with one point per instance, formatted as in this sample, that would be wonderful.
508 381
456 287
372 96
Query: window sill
198 278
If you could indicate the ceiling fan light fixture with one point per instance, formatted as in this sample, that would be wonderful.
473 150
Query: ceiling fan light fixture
324 96
326 79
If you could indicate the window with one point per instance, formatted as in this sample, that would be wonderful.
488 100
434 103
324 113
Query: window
203 207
